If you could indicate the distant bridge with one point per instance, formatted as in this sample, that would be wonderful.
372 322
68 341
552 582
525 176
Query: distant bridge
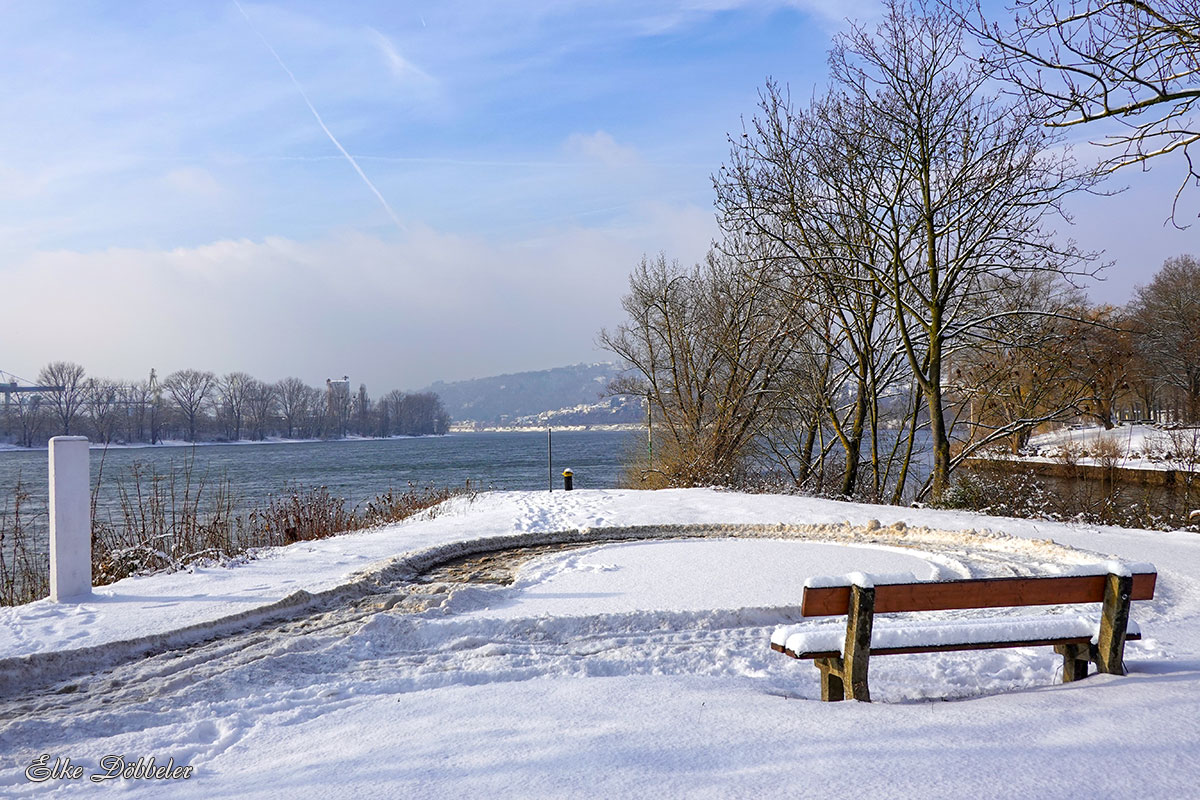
10 385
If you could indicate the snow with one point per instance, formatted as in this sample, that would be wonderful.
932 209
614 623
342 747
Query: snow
638 665
684 576
861 580
1131 437
1131 446
854 579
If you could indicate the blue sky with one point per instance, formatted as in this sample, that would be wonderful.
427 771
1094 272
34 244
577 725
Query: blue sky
165 187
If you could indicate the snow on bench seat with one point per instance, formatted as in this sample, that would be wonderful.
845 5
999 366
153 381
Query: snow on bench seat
892 636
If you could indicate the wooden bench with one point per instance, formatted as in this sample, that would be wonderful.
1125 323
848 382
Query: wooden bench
843 658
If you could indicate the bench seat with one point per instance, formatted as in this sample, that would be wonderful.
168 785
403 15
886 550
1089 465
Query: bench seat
892 637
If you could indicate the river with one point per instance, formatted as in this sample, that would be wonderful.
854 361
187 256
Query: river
354 469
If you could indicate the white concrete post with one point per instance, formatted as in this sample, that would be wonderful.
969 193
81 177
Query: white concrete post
70 519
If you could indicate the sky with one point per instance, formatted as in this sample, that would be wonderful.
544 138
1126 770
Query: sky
398 192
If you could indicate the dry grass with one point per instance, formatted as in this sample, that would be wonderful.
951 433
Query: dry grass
24 570
165 522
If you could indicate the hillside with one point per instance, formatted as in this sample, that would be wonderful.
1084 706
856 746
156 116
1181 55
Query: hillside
574 395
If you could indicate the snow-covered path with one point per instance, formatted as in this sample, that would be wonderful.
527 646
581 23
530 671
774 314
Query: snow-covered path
586 675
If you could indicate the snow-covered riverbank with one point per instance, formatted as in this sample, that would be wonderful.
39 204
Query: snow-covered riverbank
620 669
1128 446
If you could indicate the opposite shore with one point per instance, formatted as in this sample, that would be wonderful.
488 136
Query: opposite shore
457 429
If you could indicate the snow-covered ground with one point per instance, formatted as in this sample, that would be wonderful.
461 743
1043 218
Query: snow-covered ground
635 666
1131 446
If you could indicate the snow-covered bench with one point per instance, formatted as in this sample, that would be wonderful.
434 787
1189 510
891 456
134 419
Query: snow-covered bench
842 655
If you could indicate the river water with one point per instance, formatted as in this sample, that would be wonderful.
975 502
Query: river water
354 469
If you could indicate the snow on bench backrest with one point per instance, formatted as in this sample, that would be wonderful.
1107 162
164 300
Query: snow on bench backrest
829 596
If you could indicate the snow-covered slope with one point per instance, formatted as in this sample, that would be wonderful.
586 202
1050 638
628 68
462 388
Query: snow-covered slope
1132 446
620 669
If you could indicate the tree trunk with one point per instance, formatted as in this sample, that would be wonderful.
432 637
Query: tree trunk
854 446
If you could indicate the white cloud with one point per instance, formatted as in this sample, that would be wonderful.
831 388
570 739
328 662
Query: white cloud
602 147
194 181
395 314
832 14
403 70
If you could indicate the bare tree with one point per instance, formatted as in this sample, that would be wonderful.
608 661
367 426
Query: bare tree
231 394
68 398
1166 323
136 398
103 407
1021 367
29 411
190 389
362 411
293 398
783 186
1145 386
707 345
420 414
1106 364
966 187
316 419
911 184
260 404
390 412
1133 61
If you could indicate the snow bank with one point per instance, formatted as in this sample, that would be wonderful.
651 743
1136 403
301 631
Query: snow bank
1134 446
44 641
365 691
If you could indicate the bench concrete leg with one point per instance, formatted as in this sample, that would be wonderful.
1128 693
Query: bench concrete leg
1075 661
832 688
856 653
1109 653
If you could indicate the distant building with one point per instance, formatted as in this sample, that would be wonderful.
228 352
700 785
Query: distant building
337 399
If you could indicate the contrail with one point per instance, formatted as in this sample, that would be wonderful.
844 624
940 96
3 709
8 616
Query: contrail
321 122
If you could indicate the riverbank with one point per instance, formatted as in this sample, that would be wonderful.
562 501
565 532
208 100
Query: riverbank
1158 475
1132 446
472 427
176 443
1160 499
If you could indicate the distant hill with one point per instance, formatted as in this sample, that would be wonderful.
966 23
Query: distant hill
574 393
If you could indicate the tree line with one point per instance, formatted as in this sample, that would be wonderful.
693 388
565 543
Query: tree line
888 295
197 405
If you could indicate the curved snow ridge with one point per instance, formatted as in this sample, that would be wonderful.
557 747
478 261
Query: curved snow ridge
1032 556
20 672
970 552
407 632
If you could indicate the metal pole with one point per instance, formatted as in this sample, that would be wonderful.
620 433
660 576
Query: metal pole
549 460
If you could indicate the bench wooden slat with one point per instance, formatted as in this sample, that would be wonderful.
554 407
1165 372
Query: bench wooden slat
948 647
979 593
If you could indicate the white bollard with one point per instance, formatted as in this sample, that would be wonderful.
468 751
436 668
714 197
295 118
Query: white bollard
70 519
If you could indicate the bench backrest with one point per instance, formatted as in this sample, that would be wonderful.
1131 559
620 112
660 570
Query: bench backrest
974 593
